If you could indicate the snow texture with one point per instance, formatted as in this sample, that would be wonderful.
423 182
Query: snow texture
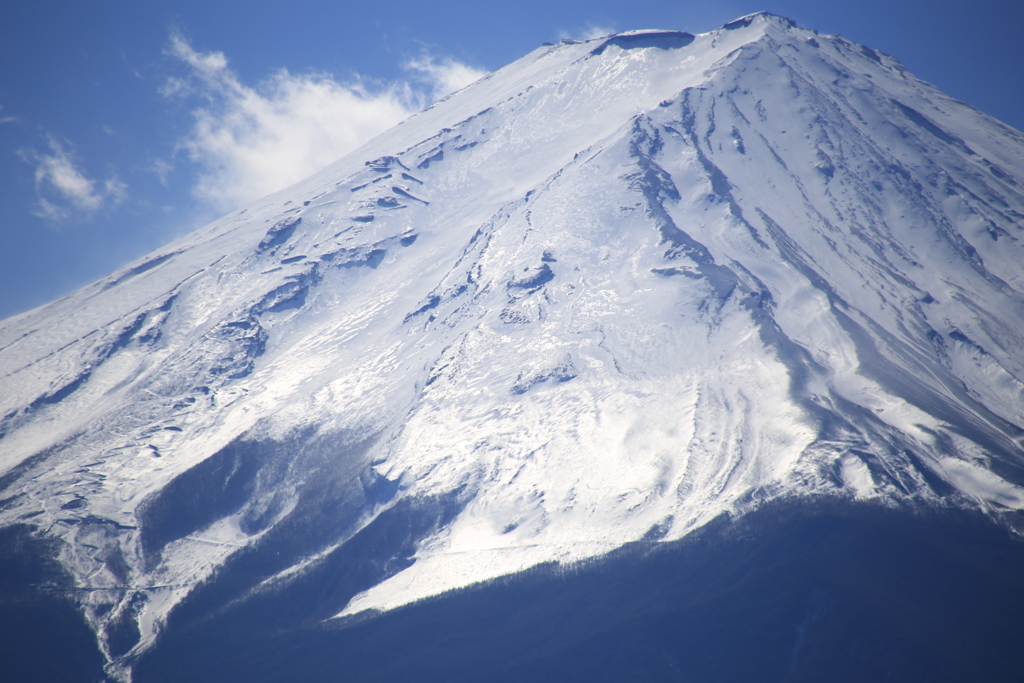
603 295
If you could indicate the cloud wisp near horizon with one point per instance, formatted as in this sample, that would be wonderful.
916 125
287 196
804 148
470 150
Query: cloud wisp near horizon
245 141
248 141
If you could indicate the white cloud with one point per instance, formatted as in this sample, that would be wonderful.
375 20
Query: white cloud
589 32
445 76
251 141
63 190
162 168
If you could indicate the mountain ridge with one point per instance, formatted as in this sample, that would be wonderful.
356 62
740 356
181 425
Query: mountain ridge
610 292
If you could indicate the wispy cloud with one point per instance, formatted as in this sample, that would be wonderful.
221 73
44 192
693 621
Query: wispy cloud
588 32
249 141
62 190
6 119
445 75
161 168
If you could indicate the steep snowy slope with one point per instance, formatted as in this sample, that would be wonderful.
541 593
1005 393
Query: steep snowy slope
603 295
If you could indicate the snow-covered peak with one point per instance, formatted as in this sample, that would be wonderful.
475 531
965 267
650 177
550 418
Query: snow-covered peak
604 294
760 19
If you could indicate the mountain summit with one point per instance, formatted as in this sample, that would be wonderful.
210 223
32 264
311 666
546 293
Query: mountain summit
606 297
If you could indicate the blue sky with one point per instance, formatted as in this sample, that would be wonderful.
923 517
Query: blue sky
126 124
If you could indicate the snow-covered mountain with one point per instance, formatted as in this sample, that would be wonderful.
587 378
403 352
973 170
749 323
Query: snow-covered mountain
603 295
